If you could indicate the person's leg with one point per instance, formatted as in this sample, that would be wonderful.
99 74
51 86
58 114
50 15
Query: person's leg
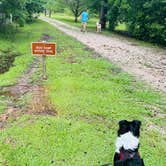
84 27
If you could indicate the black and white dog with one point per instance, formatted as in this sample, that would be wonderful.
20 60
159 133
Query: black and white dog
127 144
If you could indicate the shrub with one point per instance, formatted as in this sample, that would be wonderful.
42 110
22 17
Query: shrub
145 19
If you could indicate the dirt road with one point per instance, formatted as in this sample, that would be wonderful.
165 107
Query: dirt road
145 63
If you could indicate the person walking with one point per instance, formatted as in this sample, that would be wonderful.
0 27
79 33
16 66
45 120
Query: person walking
84 19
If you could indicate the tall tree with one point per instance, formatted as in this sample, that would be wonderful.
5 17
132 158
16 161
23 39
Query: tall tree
76 6
103 14
50 6
14 7
33 6
114 13
145 19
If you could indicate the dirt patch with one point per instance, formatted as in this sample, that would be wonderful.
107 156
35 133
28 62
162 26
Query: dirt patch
19 105
95 119
45 37
7 94
161 130
71 60
40 104
7 58
12 113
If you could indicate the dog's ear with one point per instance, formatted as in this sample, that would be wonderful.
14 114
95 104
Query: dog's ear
136 124
123 127
122 122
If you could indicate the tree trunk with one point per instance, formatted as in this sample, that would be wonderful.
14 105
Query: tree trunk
45 12
11 18
4 18
103 14
76 19
50 12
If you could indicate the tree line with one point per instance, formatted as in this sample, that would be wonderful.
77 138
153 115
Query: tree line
144 19
21 11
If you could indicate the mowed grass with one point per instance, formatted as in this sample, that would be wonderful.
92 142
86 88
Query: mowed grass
90 96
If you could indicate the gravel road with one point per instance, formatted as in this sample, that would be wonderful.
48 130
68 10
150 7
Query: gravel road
143 62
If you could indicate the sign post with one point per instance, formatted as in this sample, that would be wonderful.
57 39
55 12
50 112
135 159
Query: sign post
44 49
44 67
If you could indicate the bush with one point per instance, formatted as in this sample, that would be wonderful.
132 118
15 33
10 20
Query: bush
145 19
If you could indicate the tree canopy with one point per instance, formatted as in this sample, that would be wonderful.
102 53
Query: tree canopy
144 19
21 10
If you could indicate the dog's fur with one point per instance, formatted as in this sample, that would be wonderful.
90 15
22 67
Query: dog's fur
98 27
127 144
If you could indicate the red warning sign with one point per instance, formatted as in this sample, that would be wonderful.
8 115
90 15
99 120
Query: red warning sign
41 48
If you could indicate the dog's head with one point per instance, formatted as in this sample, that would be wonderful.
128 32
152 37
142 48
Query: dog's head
127 142
129 126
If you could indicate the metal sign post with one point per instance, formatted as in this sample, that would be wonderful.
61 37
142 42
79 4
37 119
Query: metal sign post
44 67
45 49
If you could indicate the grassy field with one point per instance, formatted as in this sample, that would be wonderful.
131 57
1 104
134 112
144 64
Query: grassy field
90 96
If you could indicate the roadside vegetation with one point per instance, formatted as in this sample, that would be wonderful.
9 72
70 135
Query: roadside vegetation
90 96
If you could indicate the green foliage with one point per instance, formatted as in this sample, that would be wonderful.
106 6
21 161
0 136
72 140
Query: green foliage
76 7
113 14
145 19
33 6
21 10
14 7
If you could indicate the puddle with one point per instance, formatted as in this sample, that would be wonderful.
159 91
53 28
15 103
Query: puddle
46 37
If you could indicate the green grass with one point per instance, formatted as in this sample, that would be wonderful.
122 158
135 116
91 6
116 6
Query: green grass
21 42
121 27
91 96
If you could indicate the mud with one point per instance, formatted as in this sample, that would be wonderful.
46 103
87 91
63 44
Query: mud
17 102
